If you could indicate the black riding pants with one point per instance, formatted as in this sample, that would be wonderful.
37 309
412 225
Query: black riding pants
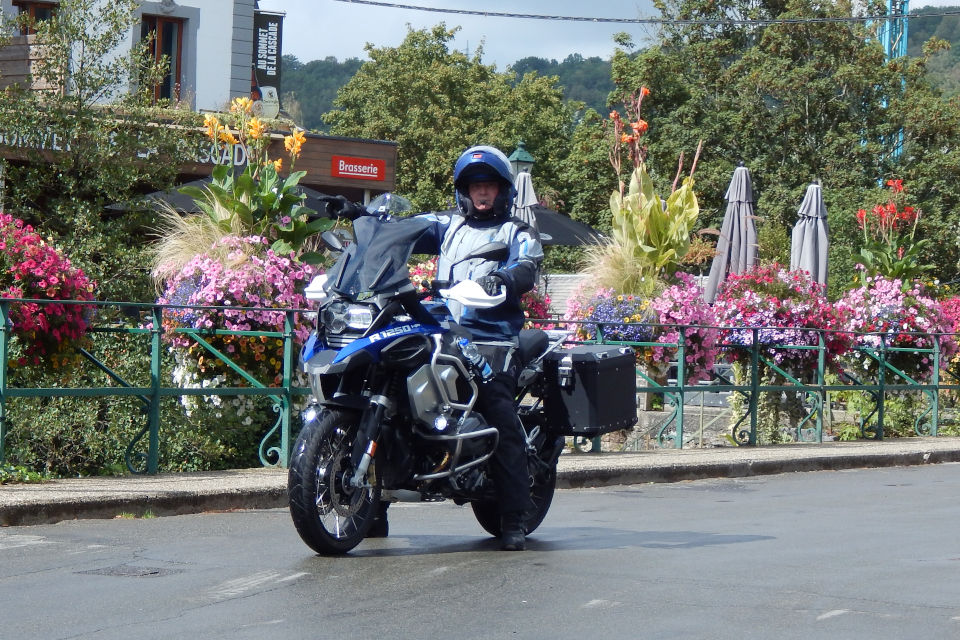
508 466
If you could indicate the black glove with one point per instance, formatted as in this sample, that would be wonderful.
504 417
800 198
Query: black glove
491 284
340 207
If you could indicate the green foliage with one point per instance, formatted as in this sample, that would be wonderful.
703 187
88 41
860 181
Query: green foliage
269 206
435 103
654 231
581 174
12 474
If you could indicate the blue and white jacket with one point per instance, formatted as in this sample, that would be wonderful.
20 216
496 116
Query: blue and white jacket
454 236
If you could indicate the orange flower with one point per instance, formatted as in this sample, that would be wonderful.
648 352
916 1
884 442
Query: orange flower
644 92
293 142
212 124
626 138
640 127
241 105
227 137
256 128
278 164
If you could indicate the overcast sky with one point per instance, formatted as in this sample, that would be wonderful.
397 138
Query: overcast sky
315 29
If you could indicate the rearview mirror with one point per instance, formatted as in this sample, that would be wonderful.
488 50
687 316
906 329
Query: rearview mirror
336 239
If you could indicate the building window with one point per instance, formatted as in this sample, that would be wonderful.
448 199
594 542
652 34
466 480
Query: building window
35 11
165 39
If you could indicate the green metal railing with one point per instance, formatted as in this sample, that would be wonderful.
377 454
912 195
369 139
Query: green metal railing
888 379
274 448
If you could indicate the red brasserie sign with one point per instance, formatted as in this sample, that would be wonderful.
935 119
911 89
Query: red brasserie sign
357 168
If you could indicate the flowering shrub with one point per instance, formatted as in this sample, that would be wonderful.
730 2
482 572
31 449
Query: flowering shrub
894 316
951 315
682 304
31 268
650 234
536 305
890 248
245 279
260 199
616 317
422 273
787 304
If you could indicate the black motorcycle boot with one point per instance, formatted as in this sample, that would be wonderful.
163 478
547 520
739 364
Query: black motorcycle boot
511 532
380 527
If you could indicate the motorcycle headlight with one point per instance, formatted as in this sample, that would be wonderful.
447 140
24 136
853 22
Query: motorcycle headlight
359 317
338 317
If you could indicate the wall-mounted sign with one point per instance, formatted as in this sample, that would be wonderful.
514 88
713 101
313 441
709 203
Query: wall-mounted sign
267 52
357 168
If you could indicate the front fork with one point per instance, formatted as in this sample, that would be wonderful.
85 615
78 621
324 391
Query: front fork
365 447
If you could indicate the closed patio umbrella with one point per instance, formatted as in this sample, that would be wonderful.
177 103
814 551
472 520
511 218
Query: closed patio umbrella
810 238
737 244
526 199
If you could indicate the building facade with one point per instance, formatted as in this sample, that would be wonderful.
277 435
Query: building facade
218 50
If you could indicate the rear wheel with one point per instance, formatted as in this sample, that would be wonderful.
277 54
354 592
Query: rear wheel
330 515
487 512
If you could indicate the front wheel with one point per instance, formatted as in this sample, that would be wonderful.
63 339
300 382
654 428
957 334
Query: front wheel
330 515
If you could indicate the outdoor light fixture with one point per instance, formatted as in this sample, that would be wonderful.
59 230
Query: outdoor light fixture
520 159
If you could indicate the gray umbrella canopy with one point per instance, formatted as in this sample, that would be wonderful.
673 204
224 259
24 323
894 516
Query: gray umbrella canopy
810 241
737 245
526 199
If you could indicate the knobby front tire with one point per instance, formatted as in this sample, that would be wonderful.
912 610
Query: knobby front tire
331 516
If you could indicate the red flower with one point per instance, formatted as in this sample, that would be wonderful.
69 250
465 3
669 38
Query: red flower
895 185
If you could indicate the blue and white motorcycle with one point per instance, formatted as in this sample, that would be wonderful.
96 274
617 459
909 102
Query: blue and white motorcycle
393 388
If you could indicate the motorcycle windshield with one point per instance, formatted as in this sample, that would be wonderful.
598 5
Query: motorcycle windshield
377 261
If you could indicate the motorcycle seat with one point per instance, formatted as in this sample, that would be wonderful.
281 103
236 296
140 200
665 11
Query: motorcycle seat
532 342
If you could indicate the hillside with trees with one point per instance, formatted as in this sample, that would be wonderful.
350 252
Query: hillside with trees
311 87
943 67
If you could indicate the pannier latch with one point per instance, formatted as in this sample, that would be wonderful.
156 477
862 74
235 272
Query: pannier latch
565 372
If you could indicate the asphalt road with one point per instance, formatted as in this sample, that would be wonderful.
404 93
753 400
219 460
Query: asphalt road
853 554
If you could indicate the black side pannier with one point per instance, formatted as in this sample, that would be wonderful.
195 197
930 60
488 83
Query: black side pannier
590 390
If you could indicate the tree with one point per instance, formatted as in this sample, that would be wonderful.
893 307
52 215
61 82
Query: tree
435 103
92 140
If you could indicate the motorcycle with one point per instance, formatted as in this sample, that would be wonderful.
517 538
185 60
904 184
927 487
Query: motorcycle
394 380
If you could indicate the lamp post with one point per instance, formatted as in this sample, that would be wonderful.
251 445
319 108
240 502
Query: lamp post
520 159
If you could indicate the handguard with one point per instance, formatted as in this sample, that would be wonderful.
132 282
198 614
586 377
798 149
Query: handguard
470 294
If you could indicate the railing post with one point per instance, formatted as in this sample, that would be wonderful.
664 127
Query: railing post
935 396
821 369
681 377
754 383
153 413
4 335
286 399
881 377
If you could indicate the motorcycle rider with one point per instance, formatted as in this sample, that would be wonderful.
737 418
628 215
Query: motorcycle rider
484 193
